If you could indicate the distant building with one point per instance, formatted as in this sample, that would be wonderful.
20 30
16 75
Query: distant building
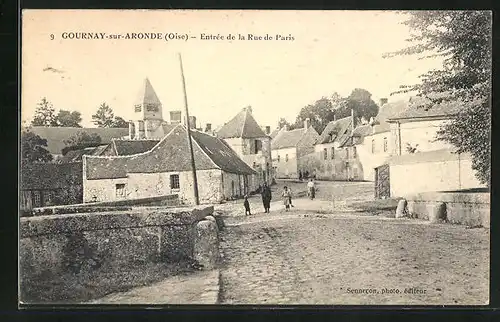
289 146
49 184
337 152
166 169
56 136
243 134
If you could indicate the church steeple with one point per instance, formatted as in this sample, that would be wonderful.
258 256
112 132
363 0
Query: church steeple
147 103
148 113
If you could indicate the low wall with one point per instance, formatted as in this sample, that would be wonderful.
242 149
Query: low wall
126 204
94 244
472 209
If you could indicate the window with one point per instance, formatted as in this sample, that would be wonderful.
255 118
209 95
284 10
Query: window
286 158
333 153
254 164
278 158
36 198
152 108
120 190
347 153
258 146
325 154
138 108
47 197
373 146
354 152
385 144
174 181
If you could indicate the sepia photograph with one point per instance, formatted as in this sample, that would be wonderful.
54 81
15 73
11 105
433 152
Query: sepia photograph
255 157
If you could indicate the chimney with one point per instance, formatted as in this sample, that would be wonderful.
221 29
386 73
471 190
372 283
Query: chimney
208 127
285 127
307 123
268 130
334 117
383 101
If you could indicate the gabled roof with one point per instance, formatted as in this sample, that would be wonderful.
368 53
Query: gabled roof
288 139
415 110
76 155
221 153
55 136
336 131
171 154
41 176
129 147
243 125
386 112
147 94
274 133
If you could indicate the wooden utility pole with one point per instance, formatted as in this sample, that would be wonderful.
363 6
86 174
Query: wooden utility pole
188 129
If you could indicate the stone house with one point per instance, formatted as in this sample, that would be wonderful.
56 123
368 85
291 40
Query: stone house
243 134
166 170
417 156
289 146
49 184
336 151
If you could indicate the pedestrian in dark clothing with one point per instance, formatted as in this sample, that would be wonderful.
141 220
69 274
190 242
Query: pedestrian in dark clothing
247 206
300 175
266 197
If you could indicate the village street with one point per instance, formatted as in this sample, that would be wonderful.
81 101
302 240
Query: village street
320 253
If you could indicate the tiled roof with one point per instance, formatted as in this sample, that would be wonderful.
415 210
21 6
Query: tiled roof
129 147
221 154
360 132
55 136
416 111
76 155
147 94
170 154
274 133
386 112
287 139
336 131
42 176
243 125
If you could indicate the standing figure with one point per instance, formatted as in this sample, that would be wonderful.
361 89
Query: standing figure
290 196
266 197
247 206
300 175
311 190
286 198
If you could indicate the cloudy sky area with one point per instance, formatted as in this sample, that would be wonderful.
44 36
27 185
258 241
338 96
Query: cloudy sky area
332 51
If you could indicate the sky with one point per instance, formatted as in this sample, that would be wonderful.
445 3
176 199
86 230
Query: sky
332 51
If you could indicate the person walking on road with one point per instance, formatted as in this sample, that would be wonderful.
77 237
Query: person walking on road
290 196
246 204
286 198
266 197
311 189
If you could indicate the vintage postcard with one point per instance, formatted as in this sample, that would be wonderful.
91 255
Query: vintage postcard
255 157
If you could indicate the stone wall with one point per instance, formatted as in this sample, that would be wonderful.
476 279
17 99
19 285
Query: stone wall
284 168
431 171
99 244
472 209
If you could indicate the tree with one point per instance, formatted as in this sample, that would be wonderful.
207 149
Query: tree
463 40
68 119
320 114
282 123
33 148
44 114
120 122
361 103
104 117
81 140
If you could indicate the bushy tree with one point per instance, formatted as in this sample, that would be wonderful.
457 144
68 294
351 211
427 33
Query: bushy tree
81 140
360 101
463 40
120 122
282 123
45 114
68 119
104 116
33 148
320 114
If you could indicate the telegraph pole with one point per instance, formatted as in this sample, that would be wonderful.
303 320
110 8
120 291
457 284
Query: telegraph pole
188 128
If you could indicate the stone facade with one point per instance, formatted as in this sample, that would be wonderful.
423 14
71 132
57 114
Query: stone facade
285 162
214 186
337 163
